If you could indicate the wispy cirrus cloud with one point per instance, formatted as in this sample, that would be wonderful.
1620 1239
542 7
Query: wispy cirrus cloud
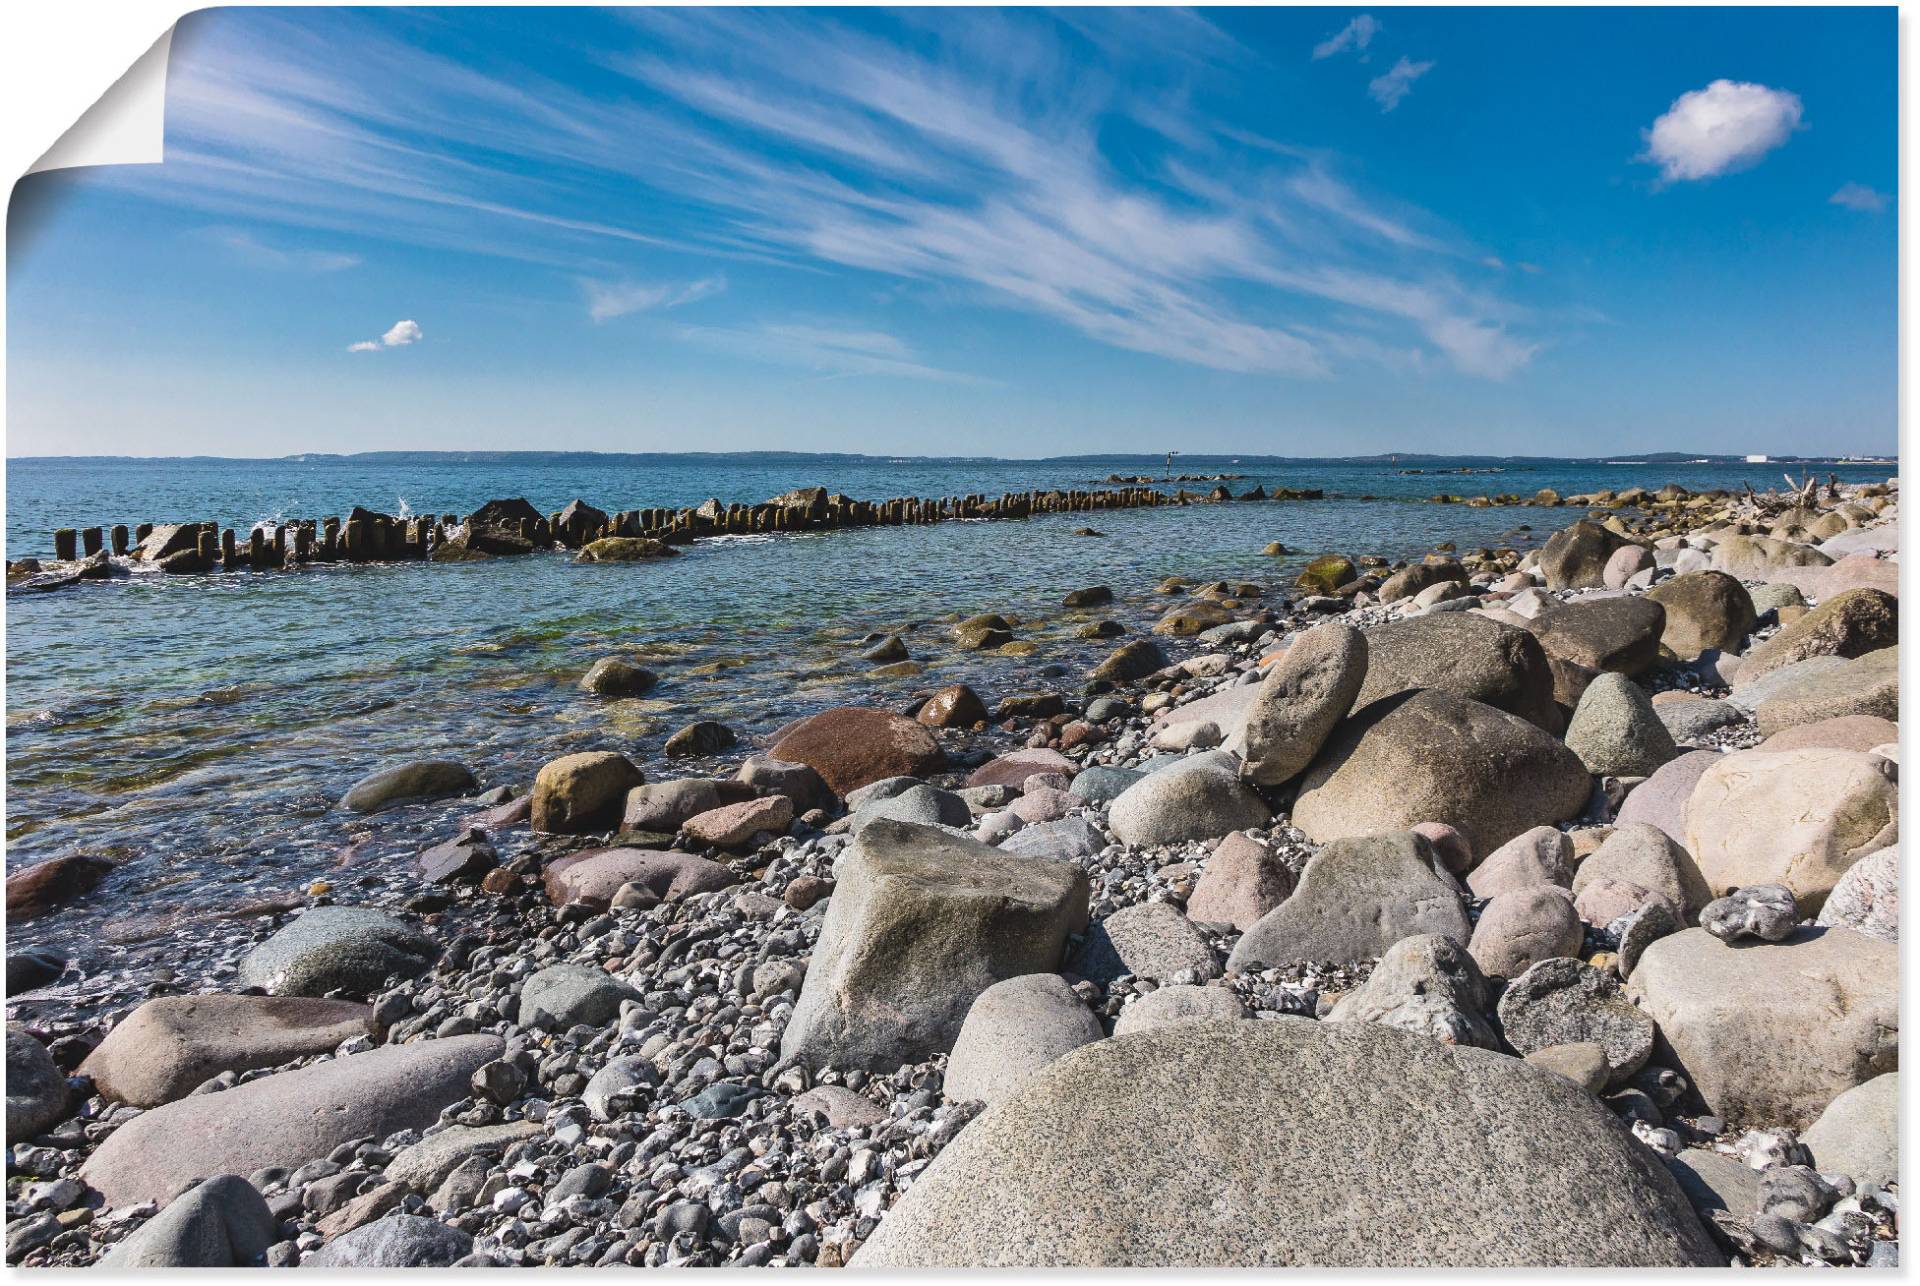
827 350
1356 35
609 299
252 250
1392 86
966 154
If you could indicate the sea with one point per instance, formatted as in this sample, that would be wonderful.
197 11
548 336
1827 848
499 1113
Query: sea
199 730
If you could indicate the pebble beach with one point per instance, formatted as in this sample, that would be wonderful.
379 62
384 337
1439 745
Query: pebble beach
1489 902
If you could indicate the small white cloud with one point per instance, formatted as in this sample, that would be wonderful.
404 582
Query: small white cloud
1355 36
1729 125
609 299
1858 196
1495 262
399 335
1391 86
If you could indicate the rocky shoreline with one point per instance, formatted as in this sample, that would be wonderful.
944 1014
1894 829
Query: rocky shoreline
1515 892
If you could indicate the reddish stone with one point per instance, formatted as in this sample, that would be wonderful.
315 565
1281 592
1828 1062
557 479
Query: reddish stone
958 706
854 746
45 885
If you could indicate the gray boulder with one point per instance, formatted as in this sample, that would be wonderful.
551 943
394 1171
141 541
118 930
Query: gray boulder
1304 695
423 1166
36 1091
1102 784
1466 655
1563 1001
1427 985
562 995
354 949
621 1086
1177 1004
1243 880
1696 720
404 783
1714 1181
222 1223
1706 611
287 1119
1474 1160
920 923
1576 557
170 1046
1614 635
1616 731
1836 688
1356 898
1859 1133
1012 1030
1434 757
1771 1033
397 1241
1145 940
920 803
1062 840
1195 800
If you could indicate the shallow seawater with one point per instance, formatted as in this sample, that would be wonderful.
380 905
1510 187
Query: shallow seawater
201 728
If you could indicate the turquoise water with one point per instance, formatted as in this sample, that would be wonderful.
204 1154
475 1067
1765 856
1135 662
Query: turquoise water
200 728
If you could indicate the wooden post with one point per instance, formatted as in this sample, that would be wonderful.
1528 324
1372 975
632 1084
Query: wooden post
64 544
208 546
257 549
90 540
120 539
228 559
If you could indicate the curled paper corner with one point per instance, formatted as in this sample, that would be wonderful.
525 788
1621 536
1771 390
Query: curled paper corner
126 125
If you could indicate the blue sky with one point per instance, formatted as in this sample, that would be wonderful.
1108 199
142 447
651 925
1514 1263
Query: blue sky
1014 232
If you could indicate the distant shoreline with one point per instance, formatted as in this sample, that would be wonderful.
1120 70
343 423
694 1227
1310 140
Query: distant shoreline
1184 460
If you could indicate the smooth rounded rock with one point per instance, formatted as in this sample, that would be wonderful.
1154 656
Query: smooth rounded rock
1356 898
171 1045
1012 1030
1644 855
850 746
1616 731
1427 985
221 1223
1518 930
397 1241
1859 1133
1473 1160
1867 898
584 793
36 1091
1301 699
1566 1002
337 948
408 782
1191 801
1543 855
1174 1005
1706 611
1467 656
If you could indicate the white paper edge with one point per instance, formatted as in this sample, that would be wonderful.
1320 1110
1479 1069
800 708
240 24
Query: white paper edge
126 125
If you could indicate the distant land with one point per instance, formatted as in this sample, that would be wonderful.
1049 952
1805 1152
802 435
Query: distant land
1182 460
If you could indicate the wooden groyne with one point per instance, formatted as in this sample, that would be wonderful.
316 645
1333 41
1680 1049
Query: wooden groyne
503 528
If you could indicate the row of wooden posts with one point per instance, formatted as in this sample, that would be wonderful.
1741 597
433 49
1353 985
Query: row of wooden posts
370 537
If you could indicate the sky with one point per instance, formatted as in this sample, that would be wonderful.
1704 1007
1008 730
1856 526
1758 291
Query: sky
981 232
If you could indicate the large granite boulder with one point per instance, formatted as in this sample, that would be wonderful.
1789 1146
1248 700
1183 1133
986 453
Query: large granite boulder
1432 756
1763 558
1850 624
920 923
354 949
1576 557
1243 880
1201 798
1304 695
1357 897
1377 1149
1543 855
1564 1001
1821 688
1014 767
1859 1133
1145 940
1519 929
1466 655
850 746
287 1119
1612 635
1771 1033
1793 817
1013 1030
1848 732
565 995
170 1046
397 1241
1706 612
583 794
